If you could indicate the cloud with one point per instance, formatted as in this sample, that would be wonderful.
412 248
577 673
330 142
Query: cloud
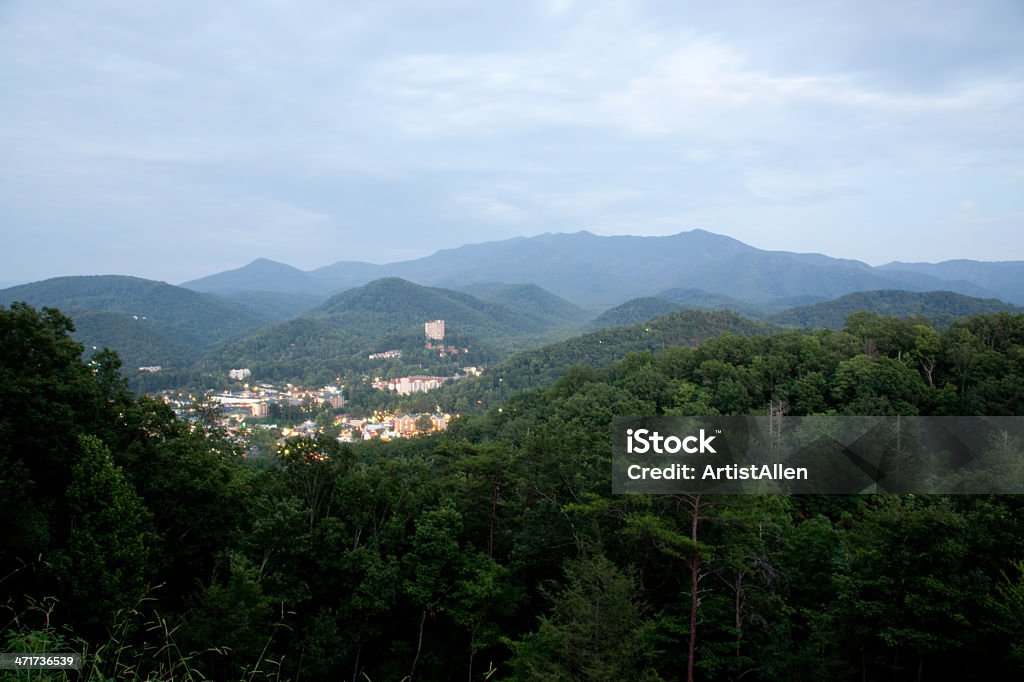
491 209
782 187
317 120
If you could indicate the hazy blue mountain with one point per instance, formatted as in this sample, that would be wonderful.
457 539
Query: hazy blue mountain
174 323
348 274
703 300
1004 278
633 311
529 300
764 277
587 269
262 275
274 306
780 304
598 272
939 307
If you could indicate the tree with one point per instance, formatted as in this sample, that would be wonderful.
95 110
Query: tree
49 397
104 567
680 540
434 562
598 629
1009 605
903 586
881 386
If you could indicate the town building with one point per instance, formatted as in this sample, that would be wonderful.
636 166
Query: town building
406 425
434 330
386 355
335 401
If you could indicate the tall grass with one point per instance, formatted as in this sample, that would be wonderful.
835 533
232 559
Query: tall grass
140 645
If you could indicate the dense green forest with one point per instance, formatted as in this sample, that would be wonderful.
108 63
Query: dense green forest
635 311
496 551
313 340
939 308
539 367
335 338
150 323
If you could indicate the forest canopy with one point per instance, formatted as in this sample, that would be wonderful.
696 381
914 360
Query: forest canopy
496 550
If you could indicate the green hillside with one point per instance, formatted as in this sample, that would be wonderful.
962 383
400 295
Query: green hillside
273 306
147 322
529 300
336 337
940 308
634 311
392 305
705 300
139 342
540 367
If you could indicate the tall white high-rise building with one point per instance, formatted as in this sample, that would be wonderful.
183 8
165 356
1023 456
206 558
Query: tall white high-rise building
434 330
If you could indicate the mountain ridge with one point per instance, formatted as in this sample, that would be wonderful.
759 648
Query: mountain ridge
938 307
153 323
597 272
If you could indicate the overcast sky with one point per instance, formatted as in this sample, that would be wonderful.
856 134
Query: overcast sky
172 140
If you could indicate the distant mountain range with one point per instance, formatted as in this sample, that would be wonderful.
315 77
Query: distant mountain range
938 307
1005 279
497 297
597 272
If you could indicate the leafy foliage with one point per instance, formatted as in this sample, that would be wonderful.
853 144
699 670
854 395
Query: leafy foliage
496 550
939 308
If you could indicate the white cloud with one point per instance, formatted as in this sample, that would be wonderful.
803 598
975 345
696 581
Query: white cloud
812 185
491 209
304 118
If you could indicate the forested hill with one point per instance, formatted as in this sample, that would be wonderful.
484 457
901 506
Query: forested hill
938 307
394 304
273 306
148 322
496 550
634 311
261 274
138 341
703 300
540 367
530 300
336 337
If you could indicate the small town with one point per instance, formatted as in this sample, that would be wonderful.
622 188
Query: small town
259 417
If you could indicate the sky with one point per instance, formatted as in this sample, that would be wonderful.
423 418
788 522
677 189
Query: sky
173 140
